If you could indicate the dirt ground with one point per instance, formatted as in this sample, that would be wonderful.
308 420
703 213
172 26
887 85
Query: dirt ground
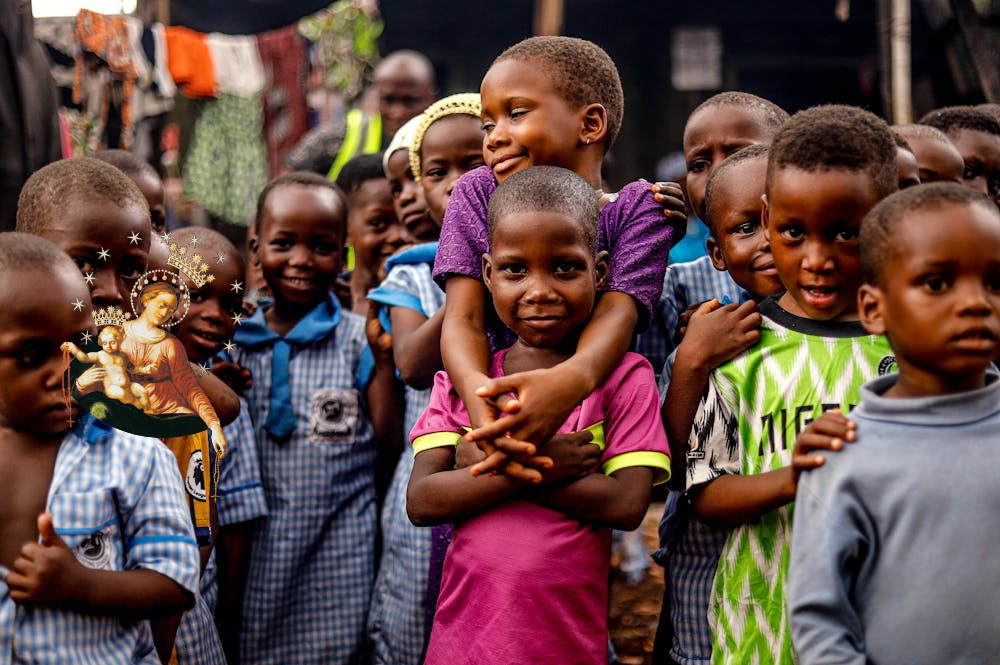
635 610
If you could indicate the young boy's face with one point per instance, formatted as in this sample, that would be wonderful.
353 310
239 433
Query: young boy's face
981 153
299 246
408 199
109 343
812 220
937 161
711 135
34 323
543 276
209 323
527 122
372 226
85 228
940 304
738 243
451 147
906 168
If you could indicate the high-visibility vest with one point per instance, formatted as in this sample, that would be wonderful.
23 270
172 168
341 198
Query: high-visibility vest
358 125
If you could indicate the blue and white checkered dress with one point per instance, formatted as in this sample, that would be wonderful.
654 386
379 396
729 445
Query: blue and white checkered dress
312 565
396 621
118 501
241 499
684 284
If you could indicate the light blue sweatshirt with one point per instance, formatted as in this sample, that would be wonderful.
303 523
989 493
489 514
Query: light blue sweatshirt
896 545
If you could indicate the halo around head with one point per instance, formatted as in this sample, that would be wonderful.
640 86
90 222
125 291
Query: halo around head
169 278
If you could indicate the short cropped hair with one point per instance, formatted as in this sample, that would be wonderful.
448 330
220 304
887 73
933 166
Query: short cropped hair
52 187
877 236
580 71
358 171
300 178
991 109
900 140
773 115
921 132
23 251
953 118
547 189
832 137
127 162
210 242
756 151
111 331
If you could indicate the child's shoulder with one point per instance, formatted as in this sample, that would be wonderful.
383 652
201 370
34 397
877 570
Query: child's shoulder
635 197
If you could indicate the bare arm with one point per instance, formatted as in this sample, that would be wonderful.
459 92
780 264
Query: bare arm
222 398
465 352
733 499
233 557
438 493
416 345
618 501
78 354
385 405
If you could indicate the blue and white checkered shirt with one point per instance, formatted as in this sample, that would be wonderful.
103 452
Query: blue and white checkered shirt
396 621
117 501
241 499
684 284
312 565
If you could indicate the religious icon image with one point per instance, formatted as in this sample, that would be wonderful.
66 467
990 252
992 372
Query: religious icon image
135 375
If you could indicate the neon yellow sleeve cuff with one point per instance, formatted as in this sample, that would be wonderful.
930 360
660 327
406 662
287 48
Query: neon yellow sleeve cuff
659 462
435 440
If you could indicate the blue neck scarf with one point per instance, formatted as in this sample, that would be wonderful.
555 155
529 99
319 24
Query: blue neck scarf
254 334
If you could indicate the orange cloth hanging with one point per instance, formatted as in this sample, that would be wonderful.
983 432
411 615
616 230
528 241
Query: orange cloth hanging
107 37
190 62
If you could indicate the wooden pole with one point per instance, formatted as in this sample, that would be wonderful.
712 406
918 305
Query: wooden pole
902 96
548 17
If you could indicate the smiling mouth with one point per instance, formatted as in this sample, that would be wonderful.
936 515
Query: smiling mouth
300 282
207 338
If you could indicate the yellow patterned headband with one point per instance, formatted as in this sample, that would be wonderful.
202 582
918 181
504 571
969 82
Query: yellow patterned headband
464 103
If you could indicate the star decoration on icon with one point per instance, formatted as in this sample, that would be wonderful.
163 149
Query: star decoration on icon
86 337
89 277
236 286
134 238
200 369
222 259
194 241
104 254
77 305
237 319
165 237
229 346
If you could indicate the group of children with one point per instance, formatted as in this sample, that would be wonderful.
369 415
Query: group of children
427 456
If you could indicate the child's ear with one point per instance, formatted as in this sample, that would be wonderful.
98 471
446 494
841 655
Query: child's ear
602 269
765 216
488 271
715 253
595 124
871 301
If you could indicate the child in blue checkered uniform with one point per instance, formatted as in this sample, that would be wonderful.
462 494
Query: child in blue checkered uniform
208 326
312 565
95 531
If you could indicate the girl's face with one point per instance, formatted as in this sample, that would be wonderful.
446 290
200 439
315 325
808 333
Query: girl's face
711 135
372 226
161 308
451 147
543 276
408 199
527 121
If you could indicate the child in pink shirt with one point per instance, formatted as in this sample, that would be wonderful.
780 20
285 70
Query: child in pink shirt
502 600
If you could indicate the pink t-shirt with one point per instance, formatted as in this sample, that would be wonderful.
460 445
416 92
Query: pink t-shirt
523 583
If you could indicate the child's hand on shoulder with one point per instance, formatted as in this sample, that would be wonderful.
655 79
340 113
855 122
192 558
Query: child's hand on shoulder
671 197
45 573
828 432
717 333
235 376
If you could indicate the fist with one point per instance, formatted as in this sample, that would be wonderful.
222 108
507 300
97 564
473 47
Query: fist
45 573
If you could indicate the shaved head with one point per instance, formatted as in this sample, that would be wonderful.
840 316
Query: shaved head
405 85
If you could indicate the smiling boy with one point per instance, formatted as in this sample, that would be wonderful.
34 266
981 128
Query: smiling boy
893 557
827 167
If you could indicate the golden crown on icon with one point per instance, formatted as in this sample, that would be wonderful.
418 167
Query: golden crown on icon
110 316
195 269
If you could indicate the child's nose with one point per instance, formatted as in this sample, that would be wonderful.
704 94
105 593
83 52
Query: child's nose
104 291
818 257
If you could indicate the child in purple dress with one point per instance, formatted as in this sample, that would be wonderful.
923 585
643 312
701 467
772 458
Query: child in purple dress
502 600
548 101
